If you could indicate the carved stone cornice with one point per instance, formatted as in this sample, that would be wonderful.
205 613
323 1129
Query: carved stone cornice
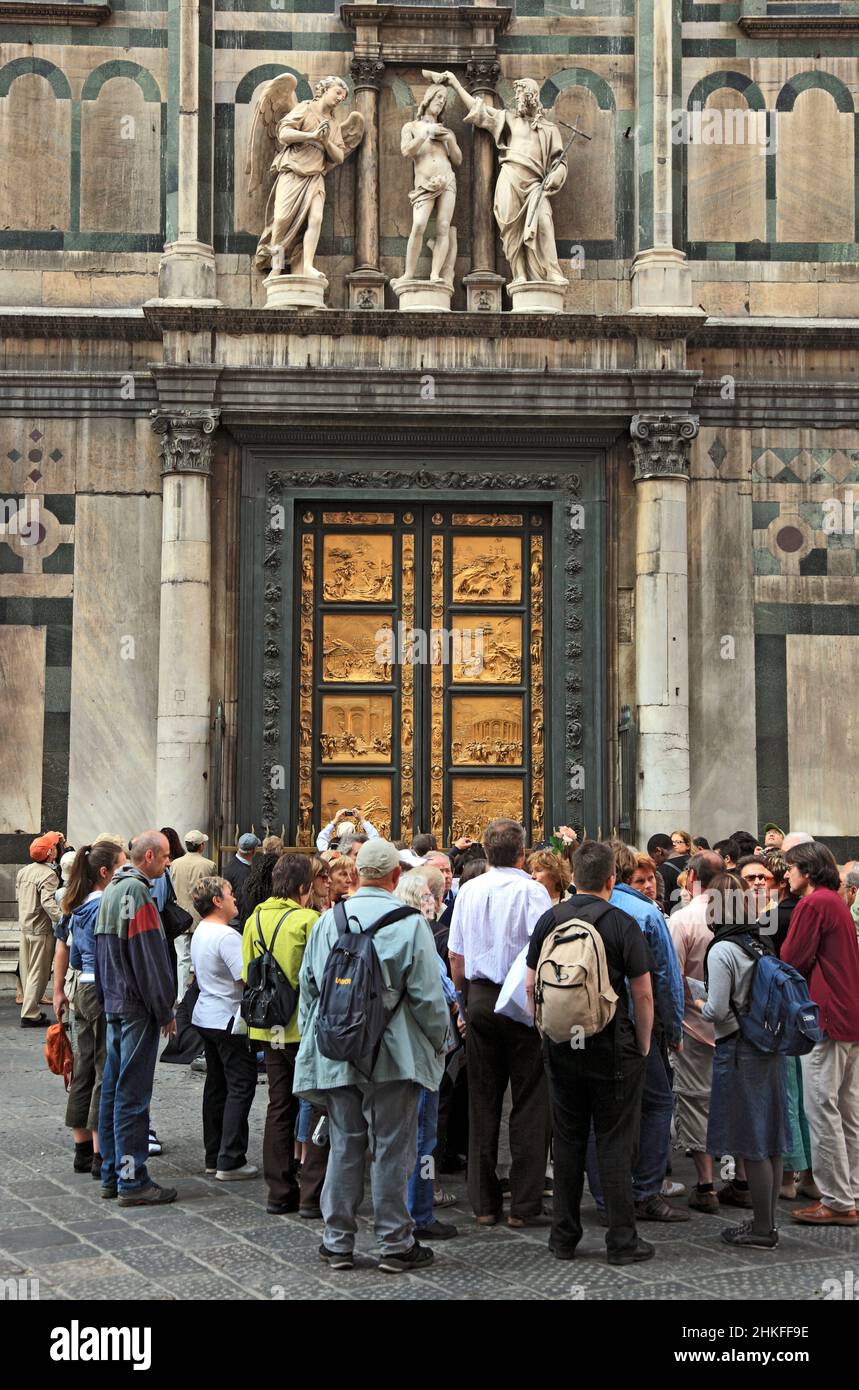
186 440
36 12
367 71
767 26
660 445
481 74
437 36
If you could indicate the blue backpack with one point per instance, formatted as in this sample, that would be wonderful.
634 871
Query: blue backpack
780 1016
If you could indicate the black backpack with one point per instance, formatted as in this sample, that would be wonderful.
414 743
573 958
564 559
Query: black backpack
352 1019
269 1000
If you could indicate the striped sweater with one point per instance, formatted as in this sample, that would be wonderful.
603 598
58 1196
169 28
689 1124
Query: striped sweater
133 968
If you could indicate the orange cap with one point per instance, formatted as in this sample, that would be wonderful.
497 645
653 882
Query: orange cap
41 848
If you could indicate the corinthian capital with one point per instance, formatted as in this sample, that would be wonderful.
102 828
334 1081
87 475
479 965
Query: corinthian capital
660 445
186 440
481 74
367 72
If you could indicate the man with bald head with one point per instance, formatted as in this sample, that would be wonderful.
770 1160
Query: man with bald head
135 980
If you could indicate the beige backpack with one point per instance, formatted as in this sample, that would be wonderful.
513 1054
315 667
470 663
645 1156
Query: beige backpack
572 990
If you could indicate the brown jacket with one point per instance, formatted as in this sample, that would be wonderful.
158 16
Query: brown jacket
38 909
186 874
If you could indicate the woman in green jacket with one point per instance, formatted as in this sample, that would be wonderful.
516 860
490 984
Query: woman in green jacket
283 922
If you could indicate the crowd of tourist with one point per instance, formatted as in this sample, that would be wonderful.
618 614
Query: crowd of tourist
398 998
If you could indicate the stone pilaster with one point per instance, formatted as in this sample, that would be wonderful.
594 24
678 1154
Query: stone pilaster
482 285
660 450
366 282
661 276
184 715
187 268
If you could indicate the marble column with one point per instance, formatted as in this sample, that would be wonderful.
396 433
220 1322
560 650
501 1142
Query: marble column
660 448
661 276
482 285
187 268
366 282
184 714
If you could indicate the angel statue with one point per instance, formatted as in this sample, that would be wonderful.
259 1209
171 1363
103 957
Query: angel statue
296 144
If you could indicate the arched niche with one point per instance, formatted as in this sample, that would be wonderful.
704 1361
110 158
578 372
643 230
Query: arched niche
815 161
120 171
727 139
35 137
585 208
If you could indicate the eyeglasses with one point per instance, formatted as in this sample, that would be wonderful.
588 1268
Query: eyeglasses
756 878
325 875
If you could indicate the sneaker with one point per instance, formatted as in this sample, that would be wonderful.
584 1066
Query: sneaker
403 1262
643 1251
731 1196
343 1259
199 1065
440 1198
745 1235
150 1196
672 1189
437 1230
83 1161
155 1145
655 1208
704 1201
210 1172
247 1170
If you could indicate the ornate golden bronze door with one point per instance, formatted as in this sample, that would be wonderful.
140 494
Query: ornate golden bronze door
420 652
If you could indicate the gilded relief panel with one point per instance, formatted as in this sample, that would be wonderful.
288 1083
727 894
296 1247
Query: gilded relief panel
372 796
357 568
357 647
475 801
486 569
486 729
487 649
356 728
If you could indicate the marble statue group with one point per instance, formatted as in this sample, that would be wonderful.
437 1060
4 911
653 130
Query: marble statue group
295 144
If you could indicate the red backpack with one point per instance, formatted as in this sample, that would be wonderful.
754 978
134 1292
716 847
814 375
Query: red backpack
58 1052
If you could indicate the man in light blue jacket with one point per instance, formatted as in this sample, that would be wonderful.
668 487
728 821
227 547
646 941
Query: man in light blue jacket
380 1113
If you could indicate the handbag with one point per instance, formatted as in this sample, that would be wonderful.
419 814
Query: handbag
174 919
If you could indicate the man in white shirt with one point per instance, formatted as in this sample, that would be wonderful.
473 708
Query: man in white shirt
493 917
231 1073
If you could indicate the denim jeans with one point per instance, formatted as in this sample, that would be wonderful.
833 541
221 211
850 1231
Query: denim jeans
654 1138
126 1091
421 1183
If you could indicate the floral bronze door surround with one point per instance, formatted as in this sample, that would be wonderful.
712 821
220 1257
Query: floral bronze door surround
419 666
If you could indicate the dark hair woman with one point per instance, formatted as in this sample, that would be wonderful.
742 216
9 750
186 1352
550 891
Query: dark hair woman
257 886
91 872
177 849
281 924
748 1102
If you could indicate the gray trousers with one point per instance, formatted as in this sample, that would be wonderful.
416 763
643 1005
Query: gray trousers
382 1118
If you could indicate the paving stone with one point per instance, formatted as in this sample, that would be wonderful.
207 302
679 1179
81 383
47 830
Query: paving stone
34 1237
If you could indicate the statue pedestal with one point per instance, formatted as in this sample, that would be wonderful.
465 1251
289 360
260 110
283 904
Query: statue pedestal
423 296
295 291
536 297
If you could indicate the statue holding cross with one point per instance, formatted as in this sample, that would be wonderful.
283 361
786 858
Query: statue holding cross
533 160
